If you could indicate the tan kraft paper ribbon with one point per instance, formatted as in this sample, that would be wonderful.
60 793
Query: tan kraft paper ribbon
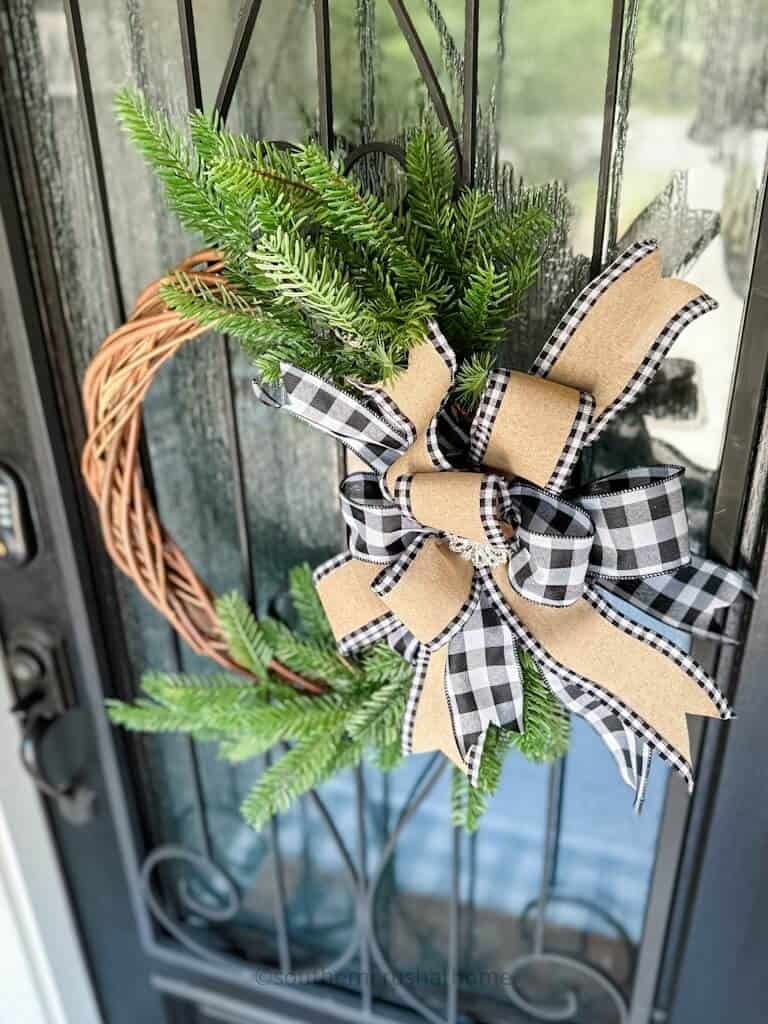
529 433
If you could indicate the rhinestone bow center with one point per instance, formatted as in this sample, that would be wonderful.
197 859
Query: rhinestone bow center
482 556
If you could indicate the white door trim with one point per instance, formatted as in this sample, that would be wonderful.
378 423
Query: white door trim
45 979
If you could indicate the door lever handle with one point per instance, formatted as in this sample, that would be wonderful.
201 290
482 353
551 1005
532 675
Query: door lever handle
74 800
54 743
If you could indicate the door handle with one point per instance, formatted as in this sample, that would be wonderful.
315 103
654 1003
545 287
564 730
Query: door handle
74 800
54 743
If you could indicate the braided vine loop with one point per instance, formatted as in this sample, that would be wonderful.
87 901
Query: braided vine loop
115 385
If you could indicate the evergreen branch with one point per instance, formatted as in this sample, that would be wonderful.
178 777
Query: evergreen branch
308 607
430 165
472 378
245 638
310 659
468 803
483 307
547 723
346 282
146 716
259 328
274 198
206 132
510 234
385 705
474 212
317 285
177 166
380 664
362 218
282 720
304 766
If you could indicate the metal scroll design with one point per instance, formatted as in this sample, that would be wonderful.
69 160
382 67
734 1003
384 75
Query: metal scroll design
206 893
225 901
564 1004
364 946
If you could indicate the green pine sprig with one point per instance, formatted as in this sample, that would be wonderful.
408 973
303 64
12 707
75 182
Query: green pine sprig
322 274
360 715
472 378
545 737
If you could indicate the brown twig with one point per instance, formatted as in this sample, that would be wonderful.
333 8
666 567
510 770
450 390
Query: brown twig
115 385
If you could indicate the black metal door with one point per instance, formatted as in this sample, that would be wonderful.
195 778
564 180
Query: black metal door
364 903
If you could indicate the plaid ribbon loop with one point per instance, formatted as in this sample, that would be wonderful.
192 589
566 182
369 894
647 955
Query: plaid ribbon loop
465 545
640 524
378 531
550 556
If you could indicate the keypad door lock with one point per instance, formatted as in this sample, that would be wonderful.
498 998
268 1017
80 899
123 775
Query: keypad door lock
17 539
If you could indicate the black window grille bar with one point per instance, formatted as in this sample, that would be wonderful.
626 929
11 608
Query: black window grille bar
427 72
94 155
189 53
469 114
324 78
237 55
606 146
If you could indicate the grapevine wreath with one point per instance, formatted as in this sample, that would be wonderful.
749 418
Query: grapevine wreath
474 609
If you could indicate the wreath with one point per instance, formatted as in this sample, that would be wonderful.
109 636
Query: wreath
473 611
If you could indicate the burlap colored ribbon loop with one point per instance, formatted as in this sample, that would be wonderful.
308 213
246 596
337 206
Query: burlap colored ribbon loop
427 589
514 406
455 562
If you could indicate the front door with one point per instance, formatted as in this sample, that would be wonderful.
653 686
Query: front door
629 119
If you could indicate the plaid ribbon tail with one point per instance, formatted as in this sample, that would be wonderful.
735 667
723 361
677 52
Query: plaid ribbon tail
689 598
483 682
377 441
629 750
623 729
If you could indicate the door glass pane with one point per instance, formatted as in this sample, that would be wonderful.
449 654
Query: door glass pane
689 162
560 868
551 99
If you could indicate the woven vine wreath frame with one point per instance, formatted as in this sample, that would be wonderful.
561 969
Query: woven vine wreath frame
116 383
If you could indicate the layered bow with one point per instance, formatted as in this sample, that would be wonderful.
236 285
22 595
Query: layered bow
464 547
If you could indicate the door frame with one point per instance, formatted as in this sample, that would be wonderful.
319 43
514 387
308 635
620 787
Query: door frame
46 978
682 902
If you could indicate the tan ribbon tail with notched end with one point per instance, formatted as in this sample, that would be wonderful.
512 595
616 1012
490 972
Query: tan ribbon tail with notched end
429 597
633 317
599 358
432 727
644 679
346 596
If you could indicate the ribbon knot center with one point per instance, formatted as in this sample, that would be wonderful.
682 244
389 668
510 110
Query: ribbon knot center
482 556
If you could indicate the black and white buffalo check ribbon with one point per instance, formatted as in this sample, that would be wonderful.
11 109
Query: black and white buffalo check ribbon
625 534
